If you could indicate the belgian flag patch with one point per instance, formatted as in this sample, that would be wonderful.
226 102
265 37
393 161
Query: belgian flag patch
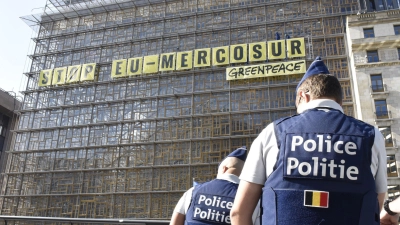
318 199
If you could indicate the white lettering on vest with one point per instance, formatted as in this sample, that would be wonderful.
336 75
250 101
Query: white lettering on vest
320 166
305 168
215 202
213 214
310 145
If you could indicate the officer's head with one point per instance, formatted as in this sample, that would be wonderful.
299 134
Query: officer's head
318 83
234 162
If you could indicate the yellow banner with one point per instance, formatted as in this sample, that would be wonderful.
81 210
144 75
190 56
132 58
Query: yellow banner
150 64
202 57
118 68
59 76
135 66
167 62
296 47
88 72
220 56
238 53
45 77
178 61
266 70
73 74
184 60
276 49
257 52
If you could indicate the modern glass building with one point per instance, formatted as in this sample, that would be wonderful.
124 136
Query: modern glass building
129 147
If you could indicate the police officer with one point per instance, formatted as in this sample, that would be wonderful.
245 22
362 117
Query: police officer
211 202
319 167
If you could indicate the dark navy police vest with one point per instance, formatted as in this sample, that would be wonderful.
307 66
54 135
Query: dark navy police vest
322 175
211 203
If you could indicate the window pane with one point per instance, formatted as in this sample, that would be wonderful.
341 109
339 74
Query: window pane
370 6
392 4
381 109
379 5
397 29
387 135
369 33
398 53
377 83
372 56
374 5
393 191
391 166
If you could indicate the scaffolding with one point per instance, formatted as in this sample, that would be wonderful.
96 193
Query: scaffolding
129 148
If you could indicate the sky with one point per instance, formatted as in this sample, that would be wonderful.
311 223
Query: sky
16 42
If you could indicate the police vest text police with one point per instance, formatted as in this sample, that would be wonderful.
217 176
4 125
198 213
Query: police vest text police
321 166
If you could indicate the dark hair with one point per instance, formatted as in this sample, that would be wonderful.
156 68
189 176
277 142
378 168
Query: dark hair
323 85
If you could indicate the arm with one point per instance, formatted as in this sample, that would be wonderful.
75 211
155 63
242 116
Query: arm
179 214
381 199
259 164
245 202
379 166
387 219
177 219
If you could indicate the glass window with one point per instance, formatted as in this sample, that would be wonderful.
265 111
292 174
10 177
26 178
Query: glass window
377 83
393 191
369 33
381 109
396 29
387 135
398 53
371 5
374 5
379 5
391 166
391 4
372 56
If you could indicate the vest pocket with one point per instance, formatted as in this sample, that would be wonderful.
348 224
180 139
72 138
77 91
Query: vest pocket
286 207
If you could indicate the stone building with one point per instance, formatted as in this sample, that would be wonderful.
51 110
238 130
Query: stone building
373 40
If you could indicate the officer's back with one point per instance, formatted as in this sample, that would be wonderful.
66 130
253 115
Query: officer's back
211 202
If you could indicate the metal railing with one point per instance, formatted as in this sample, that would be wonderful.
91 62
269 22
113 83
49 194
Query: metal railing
46 220
383 114
378 88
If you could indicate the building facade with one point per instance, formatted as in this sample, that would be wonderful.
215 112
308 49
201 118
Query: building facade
373 40
9 103
129 147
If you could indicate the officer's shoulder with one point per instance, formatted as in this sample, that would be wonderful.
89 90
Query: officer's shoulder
359 122
283 119
204 183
